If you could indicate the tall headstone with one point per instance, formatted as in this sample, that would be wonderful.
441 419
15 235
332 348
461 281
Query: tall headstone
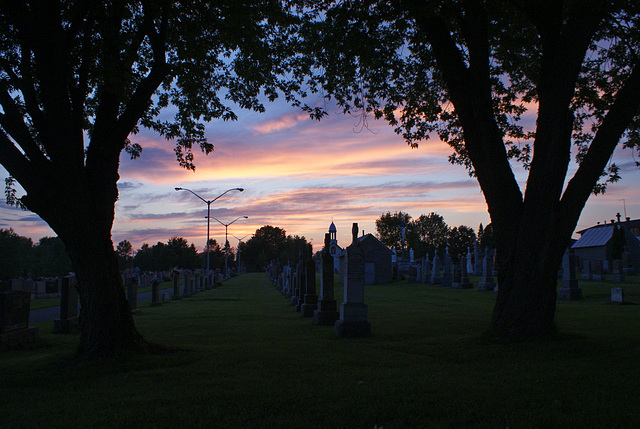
353 311
447 273
427 269
435 270
310 297
14 320
569 289
486 282
327 312
469 264
68 321
155 293
186 293
477 261
176 287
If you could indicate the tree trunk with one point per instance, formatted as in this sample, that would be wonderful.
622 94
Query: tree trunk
529 255
106 324
83 223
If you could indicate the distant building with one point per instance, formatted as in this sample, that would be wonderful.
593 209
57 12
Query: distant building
595 243
378 267
334 249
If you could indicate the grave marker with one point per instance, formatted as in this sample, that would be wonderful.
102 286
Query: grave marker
353 311
327 312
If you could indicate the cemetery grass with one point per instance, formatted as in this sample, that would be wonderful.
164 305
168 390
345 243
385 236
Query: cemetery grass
243 358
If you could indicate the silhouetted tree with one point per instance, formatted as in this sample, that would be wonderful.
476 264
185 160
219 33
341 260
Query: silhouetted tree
78 78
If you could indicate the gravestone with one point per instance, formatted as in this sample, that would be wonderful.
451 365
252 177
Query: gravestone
155 293
197 288
486 283
469 264
176 287
427 269
310 303
327 312
569 289
68 321
447 273
464 282
586 270
15 331
435 270
294 286
302 283
477 261
186 293
353 311
598 271
617 295
617 274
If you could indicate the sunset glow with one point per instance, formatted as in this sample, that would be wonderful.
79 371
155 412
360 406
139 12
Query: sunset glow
301 175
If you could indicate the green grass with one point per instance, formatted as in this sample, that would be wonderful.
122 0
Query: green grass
248 360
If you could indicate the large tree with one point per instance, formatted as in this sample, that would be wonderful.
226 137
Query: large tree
475 72
78 78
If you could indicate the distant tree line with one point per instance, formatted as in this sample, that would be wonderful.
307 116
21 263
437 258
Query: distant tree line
19 257
175 253
428 234
271 243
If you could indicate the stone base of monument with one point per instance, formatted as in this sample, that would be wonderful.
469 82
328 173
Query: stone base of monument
294 300
310 305
569 293
326 314
65 326
19 338
353 321
486 286
176 296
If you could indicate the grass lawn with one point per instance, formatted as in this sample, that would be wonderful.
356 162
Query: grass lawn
246 359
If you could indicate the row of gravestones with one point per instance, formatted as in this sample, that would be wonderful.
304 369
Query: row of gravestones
446 273
15 305
298 285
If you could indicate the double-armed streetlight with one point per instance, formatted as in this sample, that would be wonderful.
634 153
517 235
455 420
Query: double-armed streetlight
226 240
208 202
239 243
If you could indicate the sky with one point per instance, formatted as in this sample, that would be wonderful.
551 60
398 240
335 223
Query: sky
300 175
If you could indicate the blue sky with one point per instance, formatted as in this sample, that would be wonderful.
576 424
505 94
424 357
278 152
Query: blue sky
301 175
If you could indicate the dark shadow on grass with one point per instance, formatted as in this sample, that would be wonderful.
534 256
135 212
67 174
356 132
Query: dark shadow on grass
215 299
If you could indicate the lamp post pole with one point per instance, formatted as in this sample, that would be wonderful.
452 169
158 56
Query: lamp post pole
208 202
239 243
226 241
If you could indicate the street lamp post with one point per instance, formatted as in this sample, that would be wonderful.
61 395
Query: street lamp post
239 243
226 241
208 202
